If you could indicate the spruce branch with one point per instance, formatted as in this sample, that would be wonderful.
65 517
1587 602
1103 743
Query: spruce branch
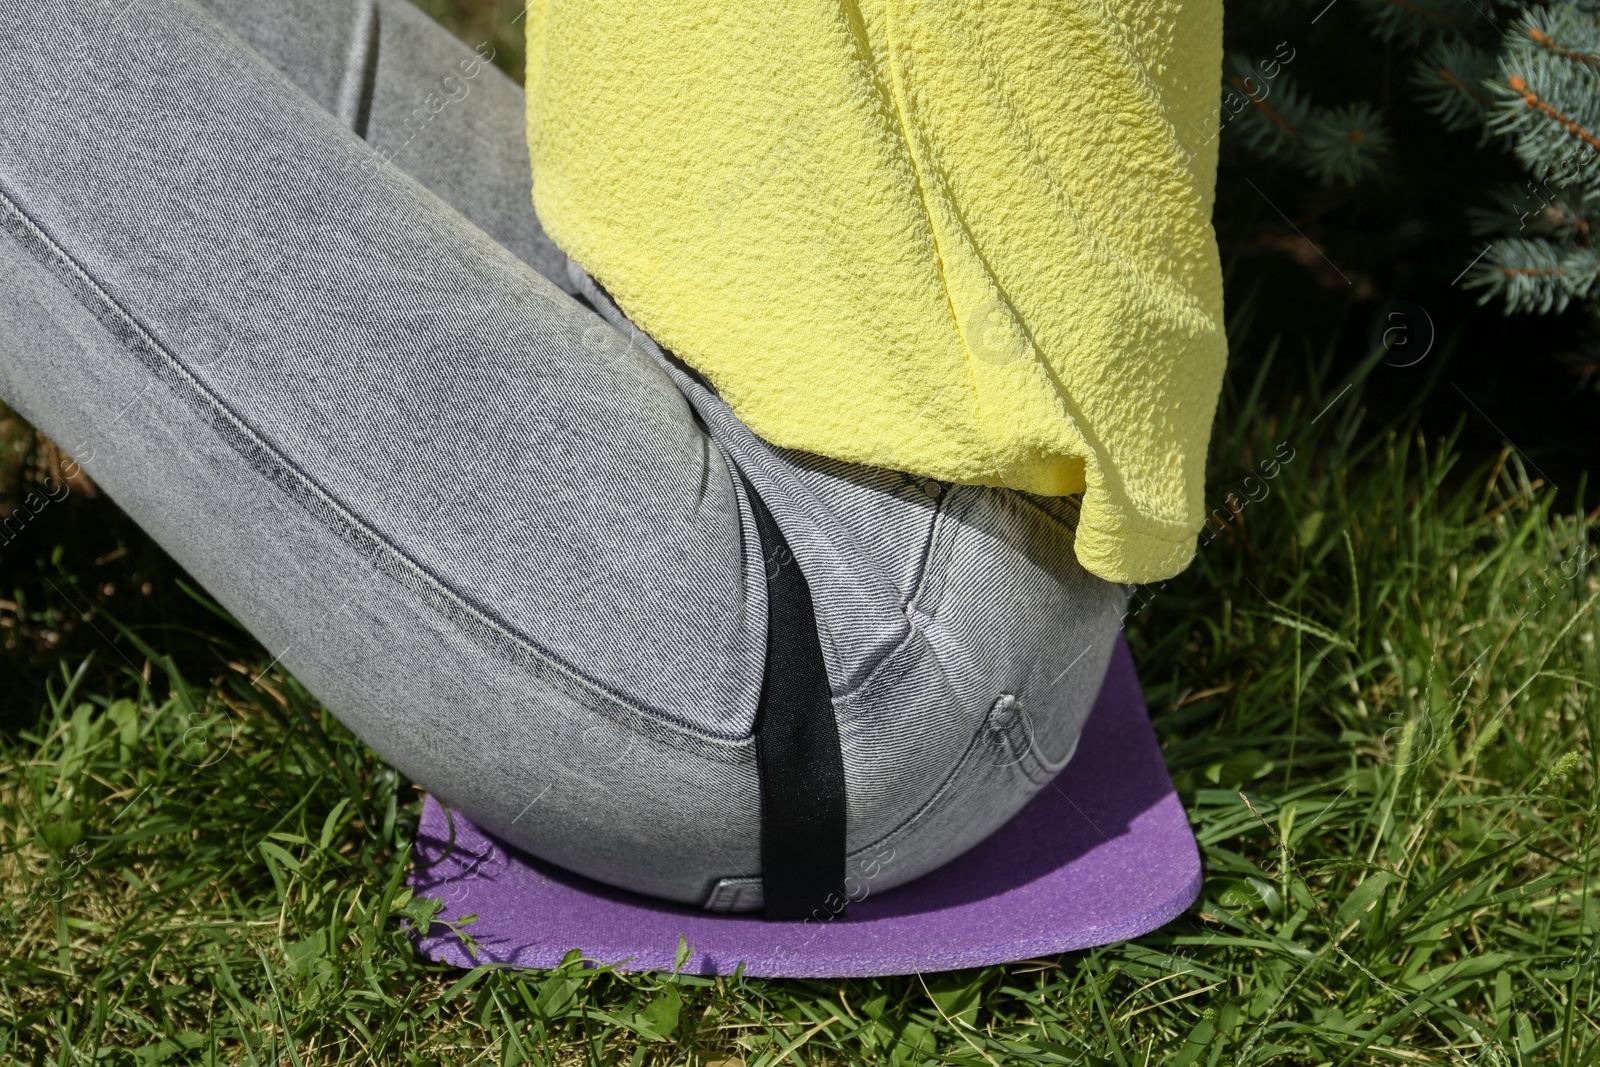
1345 144
1537 85
1547 92
1535 275
1449 80
1267 116
1265 112
1565 32
1273 116
1541 210
1570 125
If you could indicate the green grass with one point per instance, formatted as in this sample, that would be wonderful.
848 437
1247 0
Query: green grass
1375 688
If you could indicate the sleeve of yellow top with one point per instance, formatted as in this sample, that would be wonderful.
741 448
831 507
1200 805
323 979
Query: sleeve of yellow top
969 240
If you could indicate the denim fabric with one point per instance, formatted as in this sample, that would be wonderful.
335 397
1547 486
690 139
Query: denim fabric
497 533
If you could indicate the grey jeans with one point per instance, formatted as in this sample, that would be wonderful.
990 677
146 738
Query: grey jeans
274 278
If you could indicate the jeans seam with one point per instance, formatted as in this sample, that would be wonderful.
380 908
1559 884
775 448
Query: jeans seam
848 707
949 511
322 504
935 522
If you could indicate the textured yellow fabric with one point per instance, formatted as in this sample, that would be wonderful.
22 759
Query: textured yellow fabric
960 238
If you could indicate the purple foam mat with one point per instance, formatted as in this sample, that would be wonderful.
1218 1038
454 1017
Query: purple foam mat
1103 854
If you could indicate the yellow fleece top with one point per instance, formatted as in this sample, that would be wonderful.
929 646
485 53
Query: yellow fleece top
968 239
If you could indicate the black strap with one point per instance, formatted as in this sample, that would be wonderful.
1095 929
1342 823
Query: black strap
797 747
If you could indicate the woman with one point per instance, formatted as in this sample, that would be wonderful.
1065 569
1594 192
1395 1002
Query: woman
275 283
